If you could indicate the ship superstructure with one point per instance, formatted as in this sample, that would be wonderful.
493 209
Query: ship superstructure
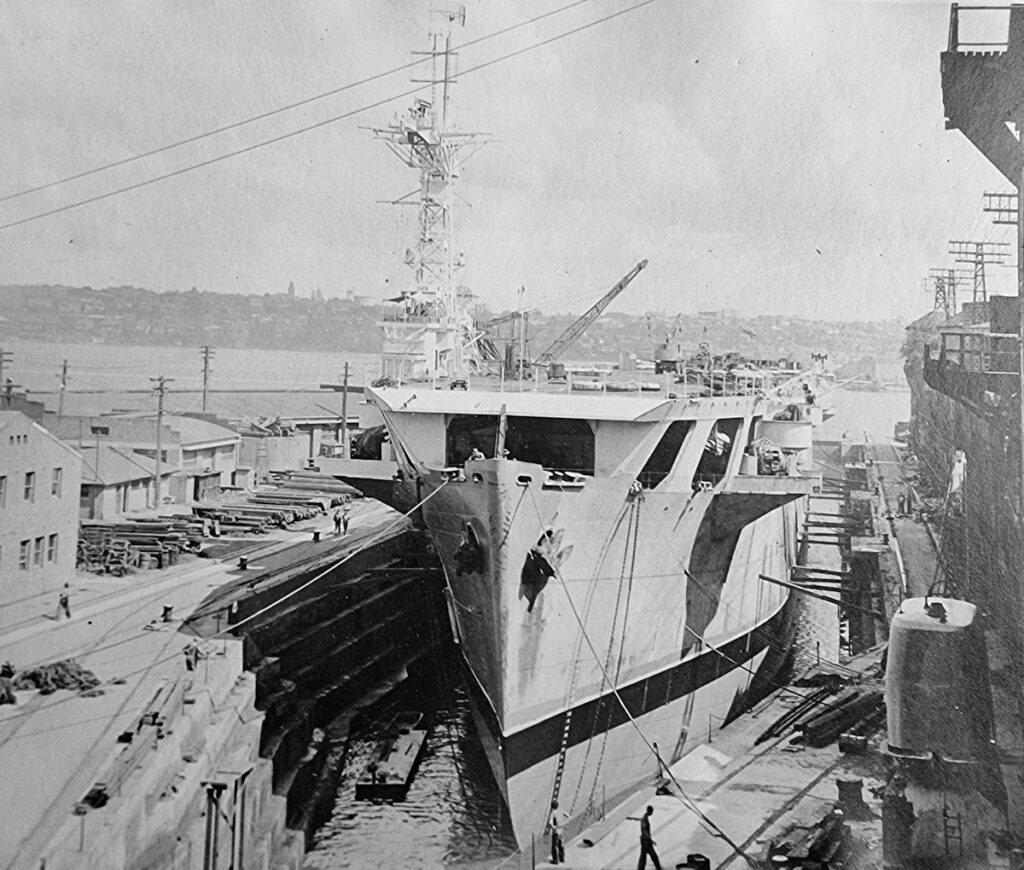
427 332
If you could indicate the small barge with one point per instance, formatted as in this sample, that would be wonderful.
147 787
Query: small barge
389 773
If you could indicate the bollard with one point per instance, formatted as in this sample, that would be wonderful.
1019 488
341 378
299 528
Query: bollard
80 810
243 563
316 536
168 610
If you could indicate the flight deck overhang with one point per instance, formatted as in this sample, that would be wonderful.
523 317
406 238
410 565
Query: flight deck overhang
638 408
748 497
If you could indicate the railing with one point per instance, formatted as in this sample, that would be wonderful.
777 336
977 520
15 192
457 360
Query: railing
402 317
984 352
984 24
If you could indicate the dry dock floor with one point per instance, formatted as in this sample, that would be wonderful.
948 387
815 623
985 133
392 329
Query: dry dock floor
754 795
54 747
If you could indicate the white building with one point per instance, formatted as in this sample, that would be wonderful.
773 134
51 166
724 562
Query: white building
40 478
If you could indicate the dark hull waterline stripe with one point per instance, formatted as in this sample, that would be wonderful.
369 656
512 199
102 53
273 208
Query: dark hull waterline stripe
543 739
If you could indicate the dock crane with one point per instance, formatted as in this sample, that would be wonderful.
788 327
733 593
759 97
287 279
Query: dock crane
561 344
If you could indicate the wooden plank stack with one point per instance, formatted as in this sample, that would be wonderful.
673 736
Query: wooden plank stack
124 545
110 547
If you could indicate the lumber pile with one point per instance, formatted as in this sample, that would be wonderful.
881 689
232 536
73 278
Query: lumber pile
118 547
851 716
288 498
109 547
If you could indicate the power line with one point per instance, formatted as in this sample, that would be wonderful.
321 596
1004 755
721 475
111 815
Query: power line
268 114
192 167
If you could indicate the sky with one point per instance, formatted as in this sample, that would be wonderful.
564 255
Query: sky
772 156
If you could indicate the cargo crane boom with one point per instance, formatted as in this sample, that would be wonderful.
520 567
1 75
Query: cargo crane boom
561 344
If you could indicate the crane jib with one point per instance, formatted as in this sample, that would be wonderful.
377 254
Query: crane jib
577 328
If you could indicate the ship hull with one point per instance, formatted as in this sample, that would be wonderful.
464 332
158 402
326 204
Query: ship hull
602 769
654 596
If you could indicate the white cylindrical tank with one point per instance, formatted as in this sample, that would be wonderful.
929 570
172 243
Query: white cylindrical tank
936 681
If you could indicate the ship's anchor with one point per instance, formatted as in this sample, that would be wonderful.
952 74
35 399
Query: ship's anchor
469 555
542 561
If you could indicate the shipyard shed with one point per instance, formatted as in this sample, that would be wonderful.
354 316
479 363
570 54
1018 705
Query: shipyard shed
203 453
116 481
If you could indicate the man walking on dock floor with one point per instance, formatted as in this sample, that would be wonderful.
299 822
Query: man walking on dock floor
337 522
646 843
344 519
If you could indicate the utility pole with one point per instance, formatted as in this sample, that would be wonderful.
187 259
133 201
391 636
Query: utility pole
63 386
1003 206
6 359
983 254
944 282
160 388
1020 336
344 415
208 354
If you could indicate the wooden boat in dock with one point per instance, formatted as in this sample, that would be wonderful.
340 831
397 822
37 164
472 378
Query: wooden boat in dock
389 772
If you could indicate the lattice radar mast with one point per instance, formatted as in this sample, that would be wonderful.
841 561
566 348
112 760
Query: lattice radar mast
427 333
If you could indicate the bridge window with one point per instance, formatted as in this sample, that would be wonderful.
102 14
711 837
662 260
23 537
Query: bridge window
663 457
714 461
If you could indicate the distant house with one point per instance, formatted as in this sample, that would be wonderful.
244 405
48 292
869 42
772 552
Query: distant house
116 481
39 489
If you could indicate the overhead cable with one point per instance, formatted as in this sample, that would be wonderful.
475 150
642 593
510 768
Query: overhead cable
270 113
262 144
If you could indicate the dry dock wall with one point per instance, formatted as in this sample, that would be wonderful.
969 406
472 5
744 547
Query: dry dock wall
223 765
156 816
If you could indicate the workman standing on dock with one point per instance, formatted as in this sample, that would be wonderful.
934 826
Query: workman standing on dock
344 519
337 522
7 684
557 823
64 603
646 842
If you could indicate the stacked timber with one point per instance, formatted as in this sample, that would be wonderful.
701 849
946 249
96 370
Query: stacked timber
108 547
851 716
289 498
849 710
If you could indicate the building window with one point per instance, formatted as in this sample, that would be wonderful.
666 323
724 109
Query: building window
3 491
23 555
58 474
30 486
37 556
51 549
